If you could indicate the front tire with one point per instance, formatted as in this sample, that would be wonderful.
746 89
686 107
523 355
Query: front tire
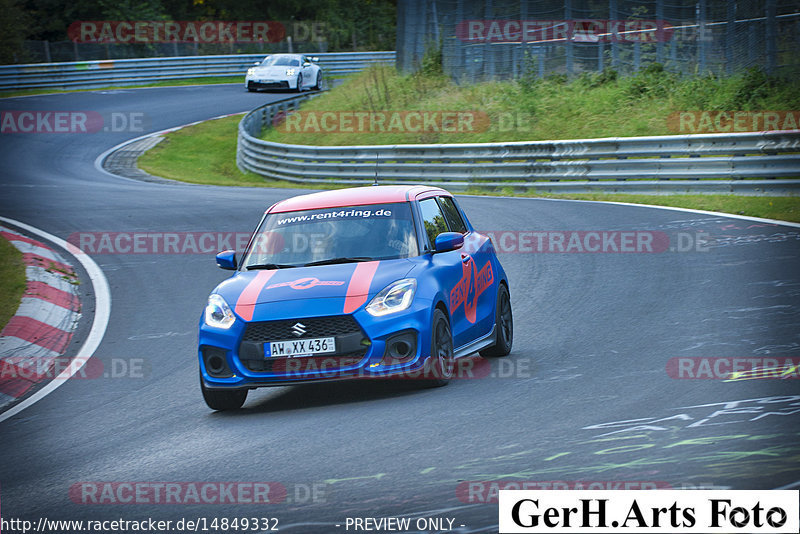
440 364
504 324
299 83
223 399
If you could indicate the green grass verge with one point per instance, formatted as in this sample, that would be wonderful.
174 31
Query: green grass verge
165 83
590 106
12 281
206 154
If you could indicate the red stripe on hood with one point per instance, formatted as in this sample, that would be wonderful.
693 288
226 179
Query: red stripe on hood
246 303
358 290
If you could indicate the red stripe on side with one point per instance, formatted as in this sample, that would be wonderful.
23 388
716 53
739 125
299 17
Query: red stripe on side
38 333
40 290
36 260
246 303
18 237
358 289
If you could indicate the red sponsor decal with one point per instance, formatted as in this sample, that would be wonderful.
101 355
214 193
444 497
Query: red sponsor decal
177 492
306 283
470 287
721 368
170 31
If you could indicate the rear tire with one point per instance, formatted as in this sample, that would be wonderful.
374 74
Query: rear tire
440 364
318 85
504 325
223 399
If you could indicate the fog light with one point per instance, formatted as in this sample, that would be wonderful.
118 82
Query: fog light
400 348
216 362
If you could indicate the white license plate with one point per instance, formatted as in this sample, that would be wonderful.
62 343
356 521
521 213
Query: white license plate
299 347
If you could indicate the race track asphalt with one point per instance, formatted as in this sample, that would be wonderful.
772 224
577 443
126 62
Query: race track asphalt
594 333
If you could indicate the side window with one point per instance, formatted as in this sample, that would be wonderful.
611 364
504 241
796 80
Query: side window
432 218
452 215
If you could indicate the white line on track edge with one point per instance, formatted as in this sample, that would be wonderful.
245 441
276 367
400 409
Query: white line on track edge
671 208
101 315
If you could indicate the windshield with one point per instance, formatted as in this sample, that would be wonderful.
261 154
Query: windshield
280 61
334 235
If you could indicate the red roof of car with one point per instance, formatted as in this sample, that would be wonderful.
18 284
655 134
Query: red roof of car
356 196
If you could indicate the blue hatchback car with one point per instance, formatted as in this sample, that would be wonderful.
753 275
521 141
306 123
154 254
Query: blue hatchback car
369 282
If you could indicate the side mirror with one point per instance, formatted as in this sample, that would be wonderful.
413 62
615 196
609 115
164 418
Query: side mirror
447 241
256 63
227 260
306 64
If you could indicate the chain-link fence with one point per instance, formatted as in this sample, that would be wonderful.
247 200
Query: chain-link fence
59 51
497 39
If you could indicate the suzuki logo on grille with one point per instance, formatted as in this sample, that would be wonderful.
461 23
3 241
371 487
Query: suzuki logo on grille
298 329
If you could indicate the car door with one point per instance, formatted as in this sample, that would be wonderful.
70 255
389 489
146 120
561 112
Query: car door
481 291
452 269
308 72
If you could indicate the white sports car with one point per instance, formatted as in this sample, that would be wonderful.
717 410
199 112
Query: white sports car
284 71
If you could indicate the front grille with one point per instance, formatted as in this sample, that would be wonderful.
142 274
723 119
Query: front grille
271 85
335 325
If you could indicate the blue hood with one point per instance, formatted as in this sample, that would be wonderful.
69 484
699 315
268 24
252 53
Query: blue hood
340 288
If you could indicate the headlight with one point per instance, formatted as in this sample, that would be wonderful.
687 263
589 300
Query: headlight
218 313
395 297
251 71
291 72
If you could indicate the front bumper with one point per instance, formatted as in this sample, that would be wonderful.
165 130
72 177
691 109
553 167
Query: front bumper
272 84
368 353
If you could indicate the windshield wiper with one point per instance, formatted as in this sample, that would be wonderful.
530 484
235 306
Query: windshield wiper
331 261
270 266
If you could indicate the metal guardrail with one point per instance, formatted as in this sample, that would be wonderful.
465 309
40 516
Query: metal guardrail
90 74
618 163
